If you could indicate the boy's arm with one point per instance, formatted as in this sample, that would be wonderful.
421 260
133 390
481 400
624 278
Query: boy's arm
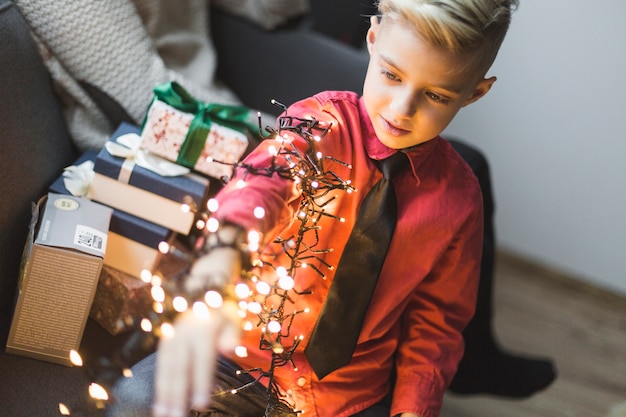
186 358
432 342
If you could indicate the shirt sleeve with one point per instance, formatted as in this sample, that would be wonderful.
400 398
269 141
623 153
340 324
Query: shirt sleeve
432 342
267 13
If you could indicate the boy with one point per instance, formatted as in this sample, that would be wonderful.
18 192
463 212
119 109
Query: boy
427 60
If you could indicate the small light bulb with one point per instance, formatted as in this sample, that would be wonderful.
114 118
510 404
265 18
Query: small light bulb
263 288
255 308
146 276
64 410
164 247
286 283
75 358
273 326
146 325
212 225
241 351
180 304
213 299
158 294
242 290
212 204
97 392
167 330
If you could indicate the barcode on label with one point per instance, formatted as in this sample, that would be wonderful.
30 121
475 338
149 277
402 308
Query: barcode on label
89 238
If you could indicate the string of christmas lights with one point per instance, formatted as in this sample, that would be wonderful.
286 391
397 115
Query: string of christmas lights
253 297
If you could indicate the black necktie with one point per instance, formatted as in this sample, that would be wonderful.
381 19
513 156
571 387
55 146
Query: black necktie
338 327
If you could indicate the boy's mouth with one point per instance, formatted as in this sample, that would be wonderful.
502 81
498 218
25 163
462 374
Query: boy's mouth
392 129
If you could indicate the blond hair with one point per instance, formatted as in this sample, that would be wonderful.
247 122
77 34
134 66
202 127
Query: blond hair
472 28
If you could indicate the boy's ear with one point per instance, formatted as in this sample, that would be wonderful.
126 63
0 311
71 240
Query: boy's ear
482 87
372 33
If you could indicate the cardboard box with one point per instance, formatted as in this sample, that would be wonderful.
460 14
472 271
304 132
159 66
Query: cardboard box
62 262
150 196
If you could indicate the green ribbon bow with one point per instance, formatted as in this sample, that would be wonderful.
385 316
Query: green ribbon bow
234 117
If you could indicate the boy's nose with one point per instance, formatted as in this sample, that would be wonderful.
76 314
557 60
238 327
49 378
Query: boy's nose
404 105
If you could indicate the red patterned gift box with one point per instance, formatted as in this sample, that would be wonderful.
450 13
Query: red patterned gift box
195 134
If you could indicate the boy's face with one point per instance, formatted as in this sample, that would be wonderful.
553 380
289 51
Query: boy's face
412 89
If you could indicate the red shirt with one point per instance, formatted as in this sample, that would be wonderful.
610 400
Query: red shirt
426 291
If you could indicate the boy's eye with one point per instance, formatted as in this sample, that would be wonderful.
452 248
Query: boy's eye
437 98
389 75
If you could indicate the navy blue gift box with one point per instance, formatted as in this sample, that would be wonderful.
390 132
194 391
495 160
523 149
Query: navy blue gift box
132 242
158 199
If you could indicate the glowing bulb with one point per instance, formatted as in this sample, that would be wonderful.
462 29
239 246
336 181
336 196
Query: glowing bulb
255 308
317 138
247 326
180 304
164 247
146 276
315 184
319 155
167 330
75 358
158 294
212 204
272 150
241 351
263 288
286 283
213 299
127 373
212 225
146 325
201 310
273 326
185 208
200 224
156 280
241 184
64 410
158 307
259 212
97 392
242 290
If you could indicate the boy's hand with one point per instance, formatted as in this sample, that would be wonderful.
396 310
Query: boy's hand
187 356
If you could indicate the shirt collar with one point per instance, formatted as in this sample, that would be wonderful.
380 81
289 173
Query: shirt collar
377 150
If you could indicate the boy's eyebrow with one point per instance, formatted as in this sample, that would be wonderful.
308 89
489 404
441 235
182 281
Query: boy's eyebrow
390 62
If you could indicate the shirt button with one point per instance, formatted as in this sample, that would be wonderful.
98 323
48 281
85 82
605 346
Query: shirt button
301 381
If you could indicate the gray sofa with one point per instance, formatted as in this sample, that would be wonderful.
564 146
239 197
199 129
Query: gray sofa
36 146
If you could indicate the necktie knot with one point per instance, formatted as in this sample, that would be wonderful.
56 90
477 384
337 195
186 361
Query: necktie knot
392 165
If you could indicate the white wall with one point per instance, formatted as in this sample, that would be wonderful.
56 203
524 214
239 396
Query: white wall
554 130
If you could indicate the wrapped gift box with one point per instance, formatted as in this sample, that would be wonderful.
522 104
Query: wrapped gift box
146 194
119 301
169 129
63 257
133 242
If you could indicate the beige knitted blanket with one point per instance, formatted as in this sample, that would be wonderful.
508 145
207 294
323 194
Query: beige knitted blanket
126 47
